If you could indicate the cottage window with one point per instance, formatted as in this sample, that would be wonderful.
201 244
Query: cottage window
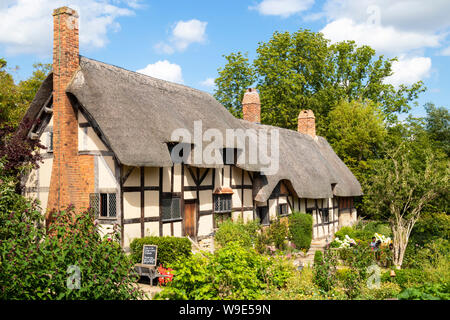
103 204
283 209
170 209
325 215
222 208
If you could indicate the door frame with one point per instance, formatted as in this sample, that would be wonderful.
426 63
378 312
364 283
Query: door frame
195 202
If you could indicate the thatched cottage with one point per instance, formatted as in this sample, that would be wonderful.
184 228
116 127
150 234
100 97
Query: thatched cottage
109 137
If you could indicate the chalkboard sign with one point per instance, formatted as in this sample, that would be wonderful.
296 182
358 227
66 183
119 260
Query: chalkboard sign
149 253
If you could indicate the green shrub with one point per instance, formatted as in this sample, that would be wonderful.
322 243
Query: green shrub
232 272
318 257
429 227
427 291
300 230
277 233
342 232
324 273
386 290
40 266
405 277
169 249
229 230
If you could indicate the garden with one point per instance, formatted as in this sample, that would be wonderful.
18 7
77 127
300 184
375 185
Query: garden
254 263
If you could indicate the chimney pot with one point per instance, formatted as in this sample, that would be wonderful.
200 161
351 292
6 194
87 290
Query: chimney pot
307 123
251 106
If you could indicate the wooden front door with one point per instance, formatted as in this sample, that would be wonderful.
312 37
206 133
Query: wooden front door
190 221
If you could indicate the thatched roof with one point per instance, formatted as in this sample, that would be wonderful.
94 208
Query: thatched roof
137 114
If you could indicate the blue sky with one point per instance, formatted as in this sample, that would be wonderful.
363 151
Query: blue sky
183 41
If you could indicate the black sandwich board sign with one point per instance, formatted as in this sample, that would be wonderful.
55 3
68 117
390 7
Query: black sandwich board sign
149 254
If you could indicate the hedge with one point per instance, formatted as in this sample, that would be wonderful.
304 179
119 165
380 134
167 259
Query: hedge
169 249
300 230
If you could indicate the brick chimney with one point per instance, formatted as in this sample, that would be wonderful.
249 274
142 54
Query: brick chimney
251 106
68 184
307 122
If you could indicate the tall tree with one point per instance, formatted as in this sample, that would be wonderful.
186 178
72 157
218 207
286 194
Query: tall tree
15 98
402 186
437 125
356 132
302 70
233 80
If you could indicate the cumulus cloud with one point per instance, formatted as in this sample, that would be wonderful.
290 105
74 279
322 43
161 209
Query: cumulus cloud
183 34
385 39
445 52
282 8
208 82
27 25
409 70
164 70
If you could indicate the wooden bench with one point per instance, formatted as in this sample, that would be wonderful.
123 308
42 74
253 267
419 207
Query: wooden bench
148 271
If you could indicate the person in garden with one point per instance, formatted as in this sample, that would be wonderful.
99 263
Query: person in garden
377 249
373 243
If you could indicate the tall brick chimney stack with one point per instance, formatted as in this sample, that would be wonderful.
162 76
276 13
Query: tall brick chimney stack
251 106
66 185
307 122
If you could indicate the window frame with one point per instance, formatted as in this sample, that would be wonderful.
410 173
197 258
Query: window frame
222 198
282 205
98 211
172 218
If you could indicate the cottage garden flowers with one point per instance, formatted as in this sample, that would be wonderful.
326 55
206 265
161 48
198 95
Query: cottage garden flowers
347 242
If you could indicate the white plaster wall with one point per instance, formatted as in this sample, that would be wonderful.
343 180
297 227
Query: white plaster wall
132 205
151 203
106 172
131 231
134 179
248 200
205 225
167 178
151 228
177 178
177 229
205 200
151 176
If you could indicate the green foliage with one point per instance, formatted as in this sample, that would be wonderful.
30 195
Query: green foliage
427 291
437 125
405 277
277 233
302 70
318 257
300 230
387 290
324 272
36 265
230 230
232 272
169 249
299 286
431 226
15 98
232 82
356 131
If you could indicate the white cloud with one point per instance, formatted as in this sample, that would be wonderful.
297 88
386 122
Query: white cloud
283 8
208 82
165 70
409 70
183 34
27 25
445 52
385 39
